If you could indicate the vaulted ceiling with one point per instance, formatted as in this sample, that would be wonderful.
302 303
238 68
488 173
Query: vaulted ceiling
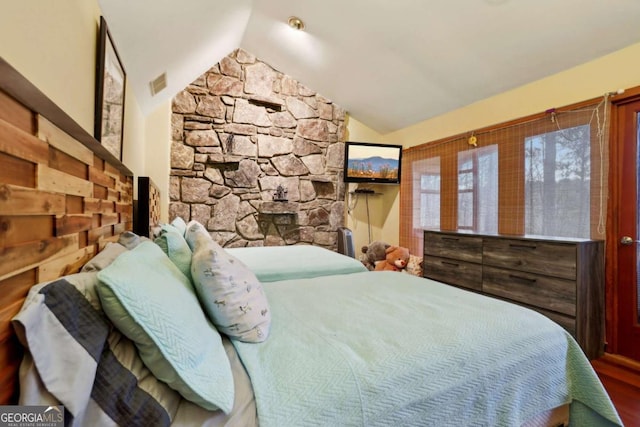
390 64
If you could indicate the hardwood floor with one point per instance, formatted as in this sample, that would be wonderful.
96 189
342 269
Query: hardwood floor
621 378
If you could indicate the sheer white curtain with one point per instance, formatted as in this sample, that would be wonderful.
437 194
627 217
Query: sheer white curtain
426 188
478 189
558 182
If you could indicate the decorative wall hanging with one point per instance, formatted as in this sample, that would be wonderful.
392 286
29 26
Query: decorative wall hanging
110 89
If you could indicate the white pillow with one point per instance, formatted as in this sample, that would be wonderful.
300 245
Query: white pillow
229 292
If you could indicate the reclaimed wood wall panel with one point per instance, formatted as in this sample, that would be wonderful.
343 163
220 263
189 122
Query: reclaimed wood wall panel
17 171
75 205
63 265
14 112
50 179
16 200
101 178
13 291
66 163
68 224
50 133
22 145
99 206
63 197
24 255
16 229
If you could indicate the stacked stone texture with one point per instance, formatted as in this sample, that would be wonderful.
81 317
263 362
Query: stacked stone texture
240 130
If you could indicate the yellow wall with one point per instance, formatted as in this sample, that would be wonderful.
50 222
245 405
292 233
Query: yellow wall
158 140
358 131
379 204
134 146
53 44
618 70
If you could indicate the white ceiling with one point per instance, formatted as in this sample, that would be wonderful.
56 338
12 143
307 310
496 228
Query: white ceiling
389 63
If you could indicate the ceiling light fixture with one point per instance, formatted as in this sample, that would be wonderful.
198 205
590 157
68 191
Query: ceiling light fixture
296 23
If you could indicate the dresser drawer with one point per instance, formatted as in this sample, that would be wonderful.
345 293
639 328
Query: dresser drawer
533 256
455 272
567 322
454 246
549 293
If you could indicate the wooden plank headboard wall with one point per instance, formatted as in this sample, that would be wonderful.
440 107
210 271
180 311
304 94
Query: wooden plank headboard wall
63 196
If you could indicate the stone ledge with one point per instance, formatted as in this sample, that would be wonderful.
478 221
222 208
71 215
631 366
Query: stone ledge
215 159
319 178
268 102
278 208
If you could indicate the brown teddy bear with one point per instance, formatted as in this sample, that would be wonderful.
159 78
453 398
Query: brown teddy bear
396 259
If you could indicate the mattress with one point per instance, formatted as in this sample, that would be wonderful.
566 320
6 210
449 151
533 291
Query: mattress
275 263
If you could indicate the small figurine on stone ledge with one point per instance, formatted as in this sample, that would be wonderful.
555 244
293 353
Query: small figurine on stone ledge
280 195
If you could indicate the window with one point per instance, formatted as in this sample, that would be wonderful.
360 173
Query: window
544 174
427 177
478 189
557 183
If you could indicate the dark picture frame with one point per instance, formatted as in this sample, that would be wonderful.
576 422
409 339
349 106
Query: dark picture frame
111 80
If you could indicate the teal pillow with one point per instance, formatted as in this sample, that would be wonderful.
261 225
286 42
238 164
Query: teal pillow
171 241
151 302
179 223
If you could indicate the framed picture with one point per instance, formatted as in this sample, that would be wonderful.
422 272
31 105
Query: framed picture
110 88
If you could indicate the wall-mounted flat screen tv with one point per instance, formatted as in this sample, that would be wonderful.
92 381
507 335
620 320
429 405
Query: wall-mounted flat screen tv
372 163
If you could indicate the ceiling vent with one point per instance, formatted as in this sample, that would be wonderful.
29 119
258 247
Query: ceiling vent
158 84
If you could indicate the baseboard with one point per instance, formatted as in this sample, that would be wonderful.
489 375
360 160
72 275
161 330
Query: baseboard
618 367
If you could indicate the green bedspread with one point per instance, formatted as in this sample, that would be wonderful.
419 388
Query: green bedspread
274 263
390 349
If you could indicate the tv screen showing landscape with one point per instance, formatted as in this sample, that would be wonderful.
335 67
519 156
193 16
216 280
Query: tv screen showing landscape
374 163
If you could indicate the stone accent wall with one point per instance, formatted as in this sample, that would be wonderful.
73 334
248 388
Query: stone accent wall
240 130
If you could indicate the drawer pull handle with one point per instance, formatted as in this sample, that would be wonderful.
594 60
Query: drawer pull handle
515 245
454 239
524 279
453 264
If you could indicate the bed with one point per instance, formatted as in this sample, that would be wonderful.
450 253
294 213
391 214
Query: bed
368 348
275 263
342 348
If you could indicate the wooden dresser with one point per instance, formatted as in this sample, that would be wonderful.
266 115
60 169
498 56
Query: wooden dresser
562 278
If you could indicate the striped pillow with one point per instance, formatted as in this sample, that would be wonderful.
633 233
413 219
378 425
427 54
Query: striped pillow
63 329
